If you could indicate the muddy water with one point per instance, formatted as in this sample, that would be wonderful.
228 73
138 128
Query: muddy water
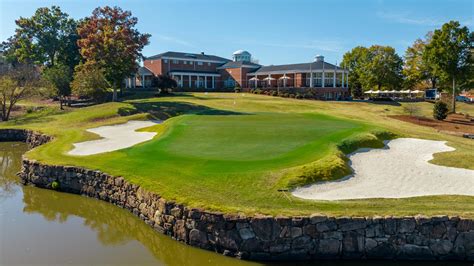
44 227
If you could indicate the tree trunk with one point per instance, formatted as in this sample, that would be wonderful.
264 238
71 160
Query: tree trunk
114 95
454 95
61 103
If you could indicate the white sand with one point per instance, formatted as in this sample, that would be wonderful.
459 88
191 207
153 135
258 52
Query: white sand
398 171
115 137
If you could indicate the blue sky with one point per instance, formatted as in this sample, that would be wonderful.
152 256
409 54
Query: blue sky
274 32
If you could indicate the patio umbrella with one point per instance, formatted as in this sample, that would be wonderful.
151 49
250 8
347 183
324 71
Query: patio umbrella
377 92
416 91
284 78
369 92
256 81
269 78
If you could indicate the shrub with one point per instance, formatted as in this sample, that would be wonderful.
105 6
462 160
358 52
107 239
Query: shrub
237 89
89 81
258 91
440 110
292 95
286 95
411 109
55 185
299 96
274 93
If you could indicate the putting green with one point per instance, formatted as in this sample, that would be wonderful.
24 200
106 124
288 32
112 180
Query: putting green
234 153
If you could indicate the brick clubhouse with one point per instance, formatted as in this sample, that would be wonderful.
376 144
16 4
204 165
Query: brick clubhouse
211 72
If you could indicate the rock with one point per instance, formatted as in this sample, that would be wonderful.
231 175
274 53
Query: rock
352 224
382 251
329 247
374 230
326 226
310 230
197 238
246 233
406 225
303 242
296 232
412 252
370 244
317 218
265 228
353 244
441 247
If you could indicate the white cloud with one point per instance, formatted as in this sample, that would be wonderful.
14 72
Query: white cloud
405 18
174 40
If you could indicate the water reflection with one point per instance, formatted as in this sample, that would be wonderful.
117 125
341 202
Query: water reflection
46 227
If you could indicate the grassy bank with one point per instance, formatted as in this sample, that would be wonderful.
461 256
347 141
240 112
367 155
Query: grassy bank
237 152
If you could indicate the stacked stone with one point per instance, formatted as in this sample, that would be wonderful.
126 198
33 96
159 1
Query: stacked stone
33 139
262 237
267 237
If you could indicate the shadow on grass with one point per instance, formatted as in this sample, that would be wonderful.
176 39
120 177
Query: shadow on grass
392 103
164 110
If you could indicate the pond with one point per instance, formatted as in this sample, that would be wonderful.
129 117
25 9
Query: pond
39 226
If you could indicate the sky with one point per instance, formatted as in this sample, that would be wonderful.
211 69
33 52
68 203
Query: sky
273 31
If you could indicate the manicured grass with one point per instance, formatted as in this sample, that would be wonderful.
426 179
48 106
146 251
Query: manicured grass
234 152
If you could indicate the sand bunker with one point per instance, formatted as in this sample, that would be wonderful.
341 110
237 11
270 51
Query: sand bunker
398 171
115 137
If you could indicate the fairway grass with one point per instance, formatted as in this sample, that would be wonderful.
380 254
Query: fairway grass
239 152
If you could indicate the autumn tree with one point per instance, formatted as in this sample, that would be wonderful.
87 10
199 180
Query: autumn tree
383 68
110 40
48 37
417 68
354 61
17 83
449 52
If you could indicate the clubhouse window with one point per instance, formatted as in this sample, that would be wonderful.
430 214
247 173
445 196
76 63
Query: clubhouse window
200 63
166 60
185 62
175 62
209 63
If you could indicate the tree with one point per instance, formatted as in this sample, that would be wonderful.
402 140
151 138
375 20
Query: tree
48 37
440 110
449 52
354 61
16 84
109 39
383 68
89 81
59 77
163 82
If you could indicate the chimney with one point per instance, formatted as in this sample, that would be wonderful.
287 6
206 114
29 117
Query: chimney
202 53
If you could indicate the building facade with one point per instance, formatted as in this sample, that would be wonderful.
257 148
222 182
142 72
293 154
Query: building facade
210 72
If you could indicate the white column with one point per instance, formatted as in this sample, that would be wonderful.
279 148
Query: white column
181 81
334 79
323 79
143 81
190 85
311 79
269 80
205 82
212 79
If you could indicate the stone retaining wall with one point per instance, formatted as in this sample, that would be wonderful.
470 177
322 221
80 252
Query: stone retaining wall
33 139
266 237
